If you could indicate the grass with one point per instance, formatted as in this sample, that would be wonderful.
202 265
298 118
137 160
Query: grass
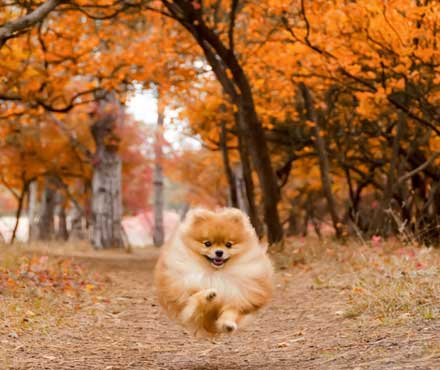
398 286
40 287
374 303
384 280
38 291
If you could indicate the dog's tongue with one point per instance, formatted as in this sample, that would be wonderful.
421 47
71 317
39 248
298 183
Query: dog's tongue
218 261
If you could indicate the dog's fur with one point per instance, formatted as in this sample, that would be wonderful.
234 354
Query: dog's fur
206 294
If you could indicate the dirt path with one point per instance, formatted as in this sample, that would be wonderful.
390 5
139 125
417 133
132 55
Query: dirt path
301 329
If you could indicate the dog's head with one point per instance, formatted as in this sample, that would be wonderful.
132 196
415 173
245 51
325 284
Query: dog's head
218 236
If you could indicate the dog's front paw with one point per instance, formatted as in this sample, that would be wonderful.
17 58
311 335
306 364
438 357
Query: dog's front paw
228 326
210 295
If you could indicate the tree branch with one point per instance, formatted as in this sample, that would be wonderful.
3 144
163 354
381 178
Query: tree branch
233 13
8 29
418 169
344 71
74 142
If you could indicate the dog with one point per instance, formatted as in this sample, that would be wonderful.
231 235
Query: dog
214 274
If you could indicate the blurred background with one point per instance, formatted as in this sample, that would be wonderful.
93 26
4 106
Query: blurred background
313 117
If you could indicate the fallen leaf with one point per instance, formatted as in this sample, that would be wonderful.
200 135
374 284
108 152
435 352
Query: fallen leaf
89 287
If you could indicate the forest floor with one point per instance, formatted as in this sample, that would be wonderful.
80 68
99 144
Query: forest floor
334 308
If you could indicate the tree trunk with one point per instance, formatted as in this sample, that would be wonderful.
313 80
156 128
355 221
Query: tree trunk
251 126
249 194
293 226
158 231
235 83
242 201
32 211
77 214
232 199
322 158
383 223
305 230
310 215
61 231
76 225
106 202
46 226
184 210
18 212
106 183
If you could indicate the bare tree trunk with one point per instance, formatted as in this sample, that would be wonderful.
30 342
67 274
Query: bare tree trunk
158 230
76 226
61 232
249 184
224 61
322 158
106 202
310 216
293 226
382 223
242 201
32 211
19 209
305 230
46 226
260 156
232 199
184 210
106 182
77 217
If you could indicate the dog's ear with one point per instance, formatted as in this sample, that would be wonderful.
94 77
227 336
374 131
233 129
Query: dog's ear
197 215
235 215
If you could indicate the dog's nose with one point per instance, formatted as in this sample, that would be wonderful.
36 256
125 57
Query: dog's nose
219 253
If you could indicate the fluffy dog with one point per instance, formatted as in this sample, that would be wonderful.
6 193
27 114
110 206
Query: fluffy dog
214 274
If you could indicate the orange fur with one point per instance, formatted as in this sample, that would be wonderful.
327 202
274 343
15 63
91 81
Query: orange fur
206 294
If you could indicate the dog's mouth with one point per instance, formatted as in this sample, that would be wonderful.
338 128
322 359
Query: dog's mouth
217 261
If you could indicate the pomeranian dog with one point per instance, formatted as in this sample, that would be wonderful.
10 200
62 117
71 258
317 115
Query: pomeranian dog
214 274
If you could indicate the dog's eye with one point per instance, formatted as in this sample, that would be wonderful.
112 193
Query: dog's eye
207 243
228 244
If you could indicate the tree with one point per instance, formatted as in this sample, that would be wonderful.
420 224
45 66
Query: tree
107 178
15 27
323 102
322 157
223 60
158 231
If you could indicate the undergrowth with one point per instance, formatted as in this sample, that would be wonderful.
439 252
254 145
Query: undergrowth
40 291
385 280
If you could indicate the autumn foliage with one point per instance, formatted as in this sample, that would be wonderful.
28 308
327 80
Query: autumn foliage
308 113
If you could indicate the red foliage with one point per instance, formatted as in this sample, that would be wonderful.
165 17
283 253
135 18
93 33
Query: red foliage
38 272
137 175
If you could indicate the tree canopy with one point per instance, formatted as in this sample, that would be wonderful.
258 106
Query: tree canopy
323 111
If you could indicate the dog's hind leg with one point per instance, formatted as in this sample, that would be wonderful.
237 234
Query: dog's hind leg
227 322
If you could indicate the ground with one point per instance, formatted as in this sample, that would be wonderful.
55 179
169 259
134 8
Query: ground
123 328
